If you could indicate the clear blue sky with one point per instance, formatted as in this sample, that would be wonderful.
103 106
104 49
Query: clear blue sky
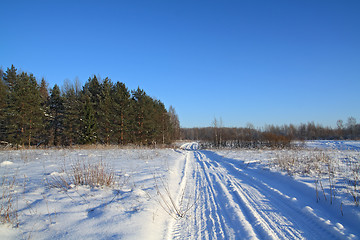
263 62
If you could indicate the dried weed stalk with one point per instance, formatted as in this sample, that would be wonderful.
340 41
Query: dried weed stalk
177 209
97 174
8 209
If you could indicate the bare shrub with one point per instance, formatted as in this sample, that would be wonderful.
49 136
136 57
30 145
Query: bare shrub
273 140
177 209
285 162
296 162
97 174
327 171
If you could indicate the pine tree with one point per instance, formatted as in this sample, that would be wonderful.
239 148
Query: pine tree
100 112
72 115
36 114
121 118
139 112
44 95
88 122
160 123
3 105
104 121
25 117
150 118
91 109
44 90
10 77
56 104
92 88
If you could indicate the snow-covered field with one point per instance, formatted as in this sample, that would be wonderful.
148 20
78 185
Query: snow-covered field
186 193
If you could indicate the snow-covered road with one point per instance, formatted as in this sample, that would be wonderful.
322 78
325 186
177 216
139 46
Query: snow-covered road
235 201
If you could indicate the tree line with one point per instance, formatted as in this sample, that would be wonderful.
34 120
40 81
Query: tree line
100 112
270 135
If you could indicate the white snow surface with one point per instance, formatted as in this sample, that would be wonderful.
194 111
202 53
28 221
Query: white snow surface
5 163
186 193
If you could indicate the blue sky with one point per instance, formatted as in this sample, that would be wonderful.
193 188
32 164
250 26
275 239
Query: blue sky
260 62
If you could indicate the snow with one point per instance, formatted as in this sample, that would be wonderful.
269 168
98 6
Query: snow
339 145
127 211
190 146
5 163
184 193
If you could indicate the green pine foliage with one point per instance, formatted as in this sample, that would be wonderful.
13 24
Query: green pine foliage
105 131
23 112
72 116
10 77
121 116
102 112
3 104
88 122
57 110
45 108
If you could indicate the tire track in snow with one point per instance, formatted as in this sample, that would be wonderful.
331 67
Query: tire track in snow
273 215
213 216
173 228
233 204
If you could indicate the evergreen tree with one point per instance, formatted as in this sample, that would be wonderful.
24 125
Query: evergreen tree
44 95
150 118
91 110
88 122
10 77
139 98
72 115
25 117
160 123
101 112
44 91
3 105
104 121
121 114
92 88
56 104
36 113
